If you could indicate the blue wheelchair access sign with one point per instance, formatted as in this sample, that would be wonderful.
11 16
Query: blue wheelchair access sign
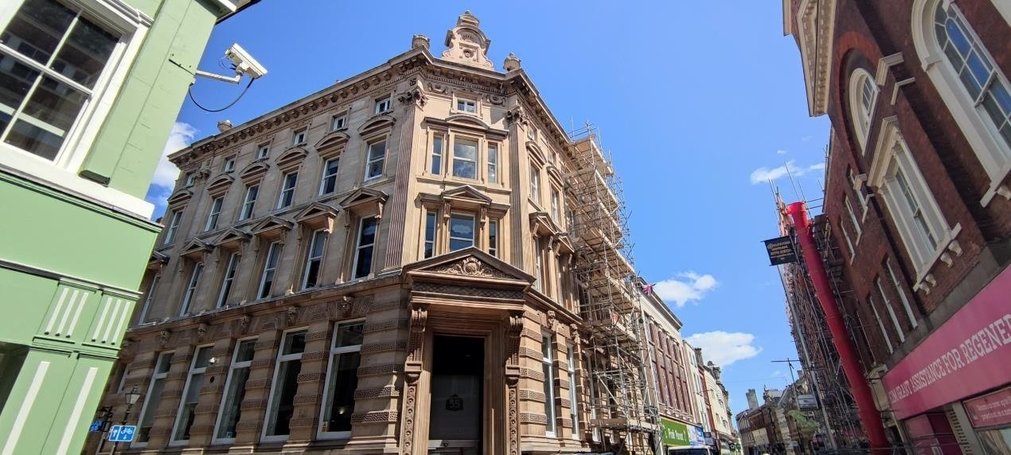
122 433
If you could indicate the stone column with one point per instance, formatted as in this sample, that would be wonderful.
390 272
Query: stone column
512 380
413 367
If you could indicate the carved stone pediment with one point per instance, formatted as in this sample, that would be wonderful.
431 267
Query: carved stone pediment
272 228
232 239
317 216
468 263
196 249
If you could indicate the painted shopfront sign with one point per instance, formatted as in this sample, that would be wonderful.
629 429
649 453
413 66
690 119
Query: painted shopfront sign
675 433
967 355
990 410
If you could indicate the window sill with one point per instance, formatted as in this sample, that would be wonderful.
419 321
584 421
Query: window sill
924 278
997 186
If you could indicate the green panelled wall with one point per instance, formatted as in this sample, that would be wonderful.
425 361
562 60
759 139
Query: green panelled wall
70 268
151 95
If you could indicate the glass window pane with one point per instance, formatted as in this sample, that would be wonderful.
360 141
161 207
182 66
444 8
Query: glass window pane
294 343
16 80
283 406
83 56
343 382
349 334
231 411
37 28
957 37
49 113
461 232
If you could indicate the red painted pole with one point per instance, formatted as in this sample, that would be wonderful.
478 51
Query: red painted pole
869 416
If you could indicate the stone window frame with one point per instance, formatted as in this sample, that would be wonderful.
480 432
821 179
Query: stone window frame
232 366
339 121
892 157
993 152
333 352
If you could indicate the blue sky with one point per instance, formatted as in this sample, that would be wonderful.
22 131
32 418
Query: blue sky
699 106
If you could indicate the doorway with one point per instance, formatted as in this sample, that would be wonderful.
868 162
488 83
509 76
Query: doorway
457 404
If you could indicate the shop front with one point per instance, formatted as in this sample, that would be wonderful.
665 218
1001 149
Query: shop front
959 378
683 439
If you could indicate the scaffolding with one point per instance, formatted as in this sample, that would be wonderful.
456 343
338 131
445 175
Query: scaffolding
624 415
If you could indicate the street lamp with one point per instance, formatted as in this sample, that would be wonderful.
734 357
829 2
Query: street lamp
131 399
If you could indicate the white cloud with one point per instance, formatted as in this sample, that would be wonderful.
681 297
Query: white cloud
685 287
725 348
165 175
781 152
764 174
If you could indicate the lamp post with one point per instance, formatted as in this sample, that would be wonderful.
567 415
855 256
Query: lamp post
131 399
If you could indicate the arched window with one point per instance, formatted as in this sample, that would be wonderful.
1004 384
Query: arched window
972 86
863 92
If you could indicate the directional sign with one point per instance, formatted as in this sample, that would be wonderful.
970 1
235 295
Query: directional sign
122 433
95 426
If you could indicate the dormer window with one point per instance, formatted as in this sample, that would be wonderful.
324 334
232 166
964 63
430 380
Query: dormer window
383 105
465 105
298 137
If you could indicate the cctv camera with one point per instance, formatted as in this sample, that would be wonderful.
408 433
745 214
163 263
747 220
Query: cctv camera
244 63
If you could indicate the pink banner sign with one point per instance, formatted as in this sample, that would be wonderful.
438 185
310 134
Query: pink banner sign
990 410
966 355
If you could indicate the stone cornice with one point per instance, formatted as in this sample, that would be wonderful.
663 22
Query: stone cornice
382 77
816 35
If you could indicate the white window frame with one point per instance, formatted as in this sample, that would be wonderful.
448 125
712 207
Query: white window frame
193 371
473 232
191 288
881 324
191 178
281 357
132 26
166 357
249 201
494 237
466 105
149 298
298 136
370 159
858 184
269 266
263 151
493 162
173 227
901 293
359 247
319 235
229 164
334 352
891 311
476 161
862 104
556 202
235 365
383 105
226 280
891 154
438 153
328 175
287 191
214 213
339 121
535 184
573 396
993 152
431 230
548 368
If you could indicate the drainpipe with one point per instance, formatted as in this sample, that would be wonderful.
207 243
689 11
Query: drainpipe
869 416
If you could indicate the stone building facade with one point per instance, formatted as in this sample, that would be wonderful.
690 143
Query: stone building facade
917 203
384 266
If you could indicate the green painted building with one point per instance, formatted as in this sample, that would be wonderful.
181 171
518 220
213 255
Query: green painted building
89 90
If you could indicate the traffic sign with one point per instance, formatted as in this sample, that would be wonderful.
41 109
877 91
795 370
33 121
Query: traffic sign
95 426
122 433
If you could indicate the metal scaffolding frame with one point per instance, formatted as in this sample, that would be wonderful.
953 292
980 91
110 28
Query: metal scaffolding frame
621 399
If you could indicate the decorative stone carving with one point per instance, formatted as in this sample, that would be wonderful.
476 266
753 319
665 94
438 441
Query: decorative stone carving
420 42
471 266
292 315
467 44
437 88
512 62
551 320
412 372
163 338
244 324
201 331
516 115
414 94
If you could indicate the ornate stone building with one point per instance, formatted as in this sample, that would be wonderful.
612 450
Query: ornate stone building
384 266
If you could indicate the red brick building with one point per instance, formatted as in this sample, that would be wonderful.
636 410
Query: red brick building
918 202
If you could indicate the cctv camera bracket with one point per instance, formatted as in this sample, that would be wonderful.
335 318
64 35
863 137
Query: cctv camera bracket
233 79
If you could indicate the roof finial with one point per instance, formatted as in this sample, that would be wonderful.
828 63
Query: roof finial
467 44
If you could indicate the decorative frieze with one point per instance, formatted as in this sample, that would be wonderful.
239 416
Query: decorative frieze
376 392
532 417
388 416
